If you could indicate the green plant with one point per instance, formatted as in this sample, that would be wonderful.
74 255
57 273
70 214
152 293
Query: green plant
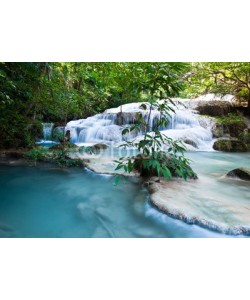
153 160
59 157
38 154
230 119
58 135
62 159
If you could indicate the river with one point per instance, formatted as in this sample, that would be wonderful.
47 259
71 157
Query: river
44 201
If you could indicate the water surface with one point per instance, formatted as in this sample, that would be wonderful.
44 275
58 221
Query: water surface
51 202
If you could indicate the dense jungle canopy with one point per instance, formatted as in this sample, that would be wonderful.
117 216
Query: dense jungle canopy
31 93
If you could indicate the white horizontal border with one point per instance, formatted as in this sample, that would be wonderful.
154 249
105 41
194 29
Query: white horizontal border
124 30
124 269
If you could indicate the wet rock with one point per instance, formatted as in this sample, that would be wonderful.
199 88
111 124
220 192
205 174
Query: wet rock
153 185
241 173
126 118
218 130
97 147
234 129
230 145
206 121
214 108
67 136
190 142
93 149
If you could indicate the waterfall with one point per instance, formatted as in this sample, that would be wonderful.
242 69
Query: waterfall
47 133
185 124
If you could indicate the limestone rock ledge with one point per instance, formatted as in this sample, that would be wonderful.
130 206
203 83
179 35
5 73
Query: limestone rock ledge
186 211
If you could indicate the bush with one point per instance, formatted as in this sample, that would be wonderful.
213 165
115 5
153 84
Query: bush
62 159
58 157
38 154
152 160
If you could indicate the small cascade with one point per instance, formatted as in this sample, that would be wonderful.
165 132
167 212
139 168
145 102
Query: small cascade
47 130
47 134
185 124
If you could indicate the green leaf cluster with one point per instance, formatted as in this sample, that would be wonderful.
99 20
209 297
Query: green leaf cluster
231 118
153 160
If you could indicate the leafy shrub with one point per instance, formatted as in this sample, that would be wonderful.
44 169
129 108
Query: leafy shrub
152 160
38 154
59 157
62 159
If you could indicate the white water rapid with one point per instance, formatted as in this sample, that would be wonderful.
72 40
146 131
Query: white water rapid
185 124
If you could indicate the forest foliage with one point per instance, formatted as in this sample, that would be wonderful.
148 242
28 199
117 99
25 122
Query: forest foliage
31 93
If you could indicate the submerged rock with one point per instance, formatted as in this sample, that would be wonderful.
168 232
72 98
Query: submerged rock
190 142
230 145
241 173
97 147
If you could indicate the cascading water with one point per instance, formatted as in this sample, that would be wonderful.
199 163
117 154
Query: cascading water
47 133
47 130
185 124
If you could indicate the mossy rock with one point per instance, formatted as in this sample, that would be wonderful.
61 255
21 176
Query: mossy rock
230 146
98 147
234 129
245 136
241 173
237 128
